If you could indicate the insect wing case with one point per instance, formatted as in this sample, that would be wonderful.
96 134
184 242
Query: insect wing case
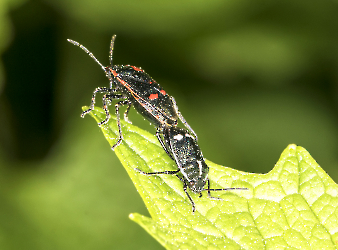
147 96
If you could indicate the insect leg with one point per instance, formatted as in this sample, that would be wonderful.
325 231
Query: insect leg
97 90
171 172
209 195
106 100
117 107
182 118
163 144
219 189
126 114
185 186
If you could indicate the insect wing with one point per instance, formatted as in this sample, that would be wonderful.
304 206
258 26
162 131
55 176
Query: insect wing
149 94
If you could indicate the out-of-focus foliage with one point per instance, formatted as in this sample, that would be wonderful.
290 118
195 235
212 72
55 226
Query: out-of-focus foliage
250 77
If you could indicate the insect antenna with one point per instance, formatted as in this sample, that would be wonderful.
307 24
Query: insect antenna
223 189
88 52
111 50
218 189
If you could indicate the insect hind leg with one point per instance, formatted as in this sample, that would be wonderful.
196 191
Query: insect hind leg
164 145
183 120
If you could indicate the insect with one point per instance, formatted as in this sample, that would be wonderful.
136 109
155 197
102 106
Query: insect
136 88
192 170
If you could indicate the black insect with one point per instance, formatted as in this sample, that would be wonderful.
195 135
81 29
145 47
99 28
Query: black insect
135 87
192 170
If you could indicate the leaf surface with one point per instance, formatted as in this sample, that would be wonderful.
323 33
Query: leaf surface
294 206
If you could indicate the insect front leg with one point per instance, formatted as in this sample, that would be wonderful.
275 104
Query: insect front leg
171 172
185 187
106 100
117 109
102 90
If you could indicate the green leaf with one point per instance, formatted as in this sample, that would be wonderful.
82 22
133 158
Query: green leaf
294 206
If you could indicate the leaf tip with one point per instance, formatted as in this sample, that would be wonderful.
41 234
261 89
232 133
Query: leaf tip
132 216
84 108
292 146
139 219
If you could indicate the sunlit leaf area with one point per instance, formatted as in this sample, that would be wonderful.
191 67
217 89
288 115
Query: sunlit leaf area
294 206
251 78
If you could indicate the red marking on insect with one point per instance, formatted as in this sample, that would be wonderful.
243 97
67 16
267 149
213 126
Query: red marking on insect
126 85
136 68
113 72
153 96
163 92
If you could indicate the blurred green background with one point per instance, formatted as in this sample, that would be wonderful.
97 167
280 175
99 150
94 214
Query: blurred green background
249 77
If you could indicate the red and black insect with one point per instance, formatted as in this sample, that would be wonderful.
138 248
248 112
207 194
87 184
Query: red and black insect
135 87
192 170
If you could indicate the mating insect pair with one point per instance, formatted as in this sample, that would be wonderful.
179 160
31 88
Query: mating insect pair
137 88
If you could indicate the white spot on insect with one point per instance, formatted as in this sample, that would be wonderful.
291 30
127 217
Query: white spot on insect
178 137
189 135
200 166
